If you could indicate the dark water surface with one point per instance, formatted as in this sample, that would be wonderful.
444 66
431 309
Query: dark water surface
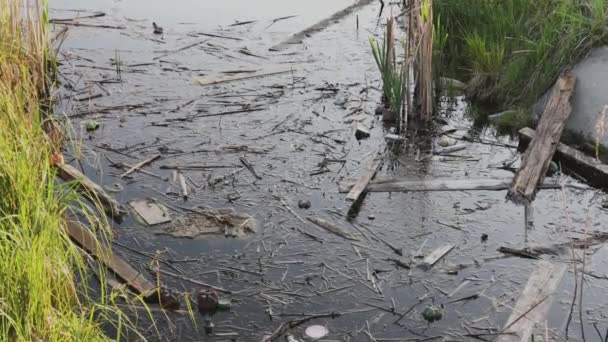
304 126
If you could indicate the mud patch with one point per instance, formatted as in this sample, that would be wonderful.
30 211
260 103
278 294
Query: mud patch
202 222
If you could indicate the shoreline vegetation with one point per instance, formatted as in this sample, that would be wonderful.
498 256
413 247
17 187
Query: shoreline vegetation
44 294
505 53
509 52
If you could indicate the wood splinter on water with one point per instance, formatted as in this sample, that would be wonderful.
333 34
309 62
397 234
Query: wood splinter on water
435 256
332 228
536 160
183 185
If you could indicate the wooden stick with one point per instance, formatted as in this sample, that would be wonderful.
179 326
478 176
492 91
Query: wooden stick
249 167
139 165
537 158
91 190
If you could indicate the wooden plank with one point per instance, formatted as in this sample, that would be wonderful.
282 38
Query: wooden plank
150 211
87 240
593 170
441 184
435 256
320 26
221 77
536 160
370 171
91 190
534 303
332 228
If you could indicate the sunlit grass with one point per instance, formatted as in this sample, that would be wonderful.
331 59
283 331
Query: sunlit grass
43 289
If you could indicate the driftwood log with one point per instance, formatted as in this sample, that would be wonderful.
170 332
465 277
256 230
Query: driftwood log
537 157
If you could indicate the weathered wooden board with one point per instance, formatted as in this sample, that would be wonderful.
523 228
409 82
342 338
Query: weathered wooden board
435 256
593 170
534 303
221 77
150 211
536 160
369 173
91 190
403 185
87 240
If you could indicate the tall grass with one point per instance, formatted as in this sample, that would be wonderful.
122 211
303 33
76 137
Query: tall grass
40 296
510 51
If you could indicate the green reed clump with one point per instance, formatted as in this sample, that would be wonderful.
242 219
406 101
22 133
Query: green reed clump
510 51
390 70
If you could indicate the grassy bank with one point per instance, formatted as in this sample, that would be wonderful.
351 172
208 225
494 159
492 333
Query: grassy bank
40 298
510 51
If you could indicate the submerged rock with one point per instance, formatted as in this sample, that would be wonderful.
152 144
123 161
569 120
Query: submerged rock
303 204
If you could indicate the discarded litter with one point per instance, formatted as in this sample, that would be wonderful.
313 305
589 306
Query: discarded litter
90 125
432 313
207 301
150 211
315 332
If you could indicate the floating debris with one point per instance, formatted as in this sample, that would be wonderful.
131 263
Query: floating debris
432 313
157 29
207 301
116 187
150 211
90 125
315 332
304 204
201 222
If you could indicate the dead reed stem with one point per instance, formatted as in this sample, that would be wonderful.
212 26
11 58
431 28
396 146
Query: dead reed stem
419 52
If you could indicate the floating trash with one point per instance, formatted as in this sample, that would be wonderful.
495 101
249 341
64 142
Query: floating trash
315 332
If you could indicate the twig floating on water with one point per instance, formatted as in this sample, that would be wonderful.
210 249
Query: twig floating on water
139 165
